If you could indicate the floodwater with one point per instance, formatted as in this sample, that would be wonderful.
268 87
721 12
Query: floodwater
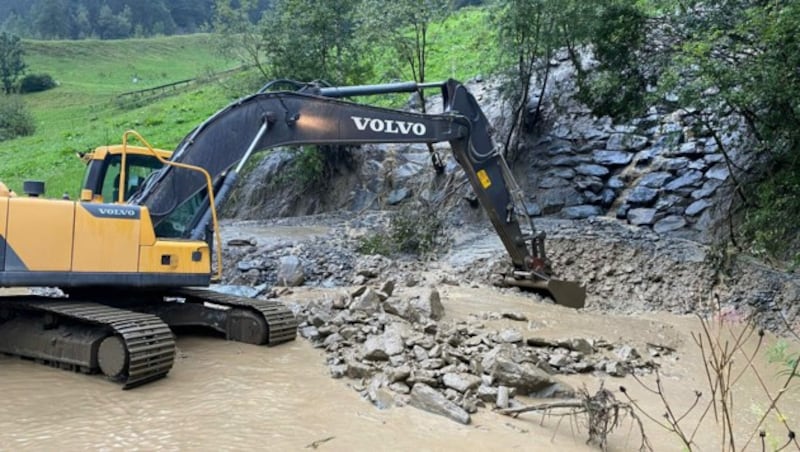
229 396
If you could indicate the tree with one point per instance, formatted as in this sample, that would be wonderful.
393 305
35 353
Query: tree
239 34
311 40
405 25
12 64
51 19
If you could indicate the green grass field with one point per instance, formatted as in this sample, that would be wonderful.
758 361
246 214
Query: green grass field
81 113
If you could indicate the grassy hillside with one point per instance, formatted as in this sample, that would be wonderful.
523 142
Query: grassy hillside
81 114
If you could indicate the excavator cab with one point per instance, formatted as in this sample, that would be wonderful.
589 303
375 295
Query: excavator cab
101 181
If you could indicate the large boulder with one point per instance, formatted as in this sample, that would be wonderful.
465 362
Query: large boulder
426 398
290 272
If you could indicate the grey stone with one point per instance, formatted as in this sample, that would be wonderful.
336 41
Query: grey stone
627 353
697 207
532 209
675 164
338 370
689 178
559 360
400 388
642 196
397 196
719 171
381 398
502 397
615 369
310 332
510 336
569 160
487 393
670 223
388 287
559 149
368 302
577 344
461 382
607 197
356 369
380 348
592 183
592 170
524 376
708 189
580 212
553 182
290 272
699 165
554 199
655 180
429 305
395 374
688 149
428 399
623 141
562 172
540 342
518 316
398 307
641 217
616 183
612 158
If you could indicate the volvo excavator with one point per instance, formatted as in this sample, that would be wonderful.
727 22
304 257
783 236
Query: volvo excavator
133 256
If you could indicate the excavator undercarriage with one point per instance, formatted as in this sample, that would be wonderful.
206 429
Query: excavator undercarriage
129 338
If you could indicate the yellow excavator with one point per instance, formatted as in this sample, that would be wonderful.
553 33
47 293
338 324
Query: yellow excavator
133 255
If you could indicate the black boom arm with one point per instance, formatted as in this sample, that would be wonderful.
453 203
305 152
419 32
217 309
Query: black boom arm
265 120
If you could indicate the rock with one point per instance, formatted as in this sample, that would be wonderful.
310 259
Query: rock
641 217
581 212
461 382
577 344
380 348
368 302
592 170
670 223
428 399
553 200
379 397
388 287
310 332
607 197
553 182
400 388
642 196
562 172
655 180
356 369
429 305
524 376
395 374
624 141
559 360
290 272
502 398
590 183
518 316
612 158
615 369
689 178
532 209
510 336
540 342
627 353
697 207
487 393
338 370
719 171
616 183
238 291
397 196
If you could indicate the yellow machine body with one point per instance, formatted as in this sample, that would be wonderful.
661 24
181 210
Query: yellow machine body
73 244
66 243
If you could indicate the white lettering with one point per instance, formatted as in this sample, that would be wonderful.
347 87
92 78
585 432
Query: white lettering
389 126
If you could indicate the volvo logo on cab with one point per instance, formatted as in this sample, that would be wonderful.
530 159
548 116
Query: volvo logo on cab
389 126
112 211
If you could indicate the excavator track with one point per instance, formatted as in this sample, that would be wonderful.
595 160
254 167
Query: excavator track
130 348
280 321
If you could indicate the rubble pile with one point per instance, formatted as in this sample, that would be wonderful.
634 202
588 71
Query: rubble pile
402 350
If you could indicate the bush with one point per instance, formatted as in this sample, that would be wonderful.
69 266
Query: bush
15 119
414 229
33 83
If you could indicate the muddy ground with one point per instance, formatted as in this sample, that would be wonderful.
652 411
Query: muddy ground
644 291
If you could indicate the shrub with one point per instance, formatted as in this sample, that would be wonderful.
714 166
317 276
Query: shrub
33 83
414 229
15 119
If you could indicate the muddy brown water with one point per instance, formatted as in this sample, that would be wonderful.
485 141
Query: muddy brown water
228 396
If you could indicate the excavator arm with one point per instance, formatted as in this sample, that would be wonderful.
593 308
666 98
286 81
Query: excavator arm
315 115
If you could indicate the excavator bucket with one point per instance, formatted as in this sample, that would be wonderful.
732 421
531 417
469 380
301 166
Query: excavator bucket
564 293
